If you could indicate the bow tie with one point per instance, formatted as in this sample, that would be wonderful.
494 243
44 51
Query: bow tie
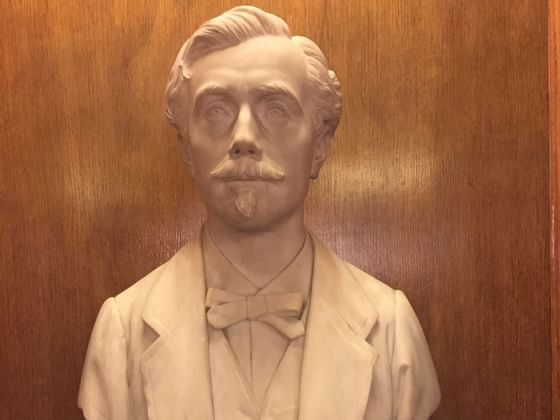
280 311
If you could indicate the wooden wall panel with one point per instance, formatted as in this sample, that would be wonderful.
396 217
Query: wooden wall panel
437 181
554 101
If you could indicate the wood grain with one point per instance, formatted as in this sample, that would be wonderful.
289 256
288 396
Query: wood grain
437 181
554 103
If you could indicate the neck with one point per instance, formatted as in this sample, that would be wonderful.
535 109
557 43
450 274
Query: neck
262 254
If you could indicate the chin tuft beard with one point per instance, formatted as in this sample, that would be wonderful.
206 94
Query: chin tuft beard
246 203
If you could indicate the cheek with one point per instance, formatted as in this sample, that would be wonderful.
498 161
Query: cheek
303 148
298 161
206 151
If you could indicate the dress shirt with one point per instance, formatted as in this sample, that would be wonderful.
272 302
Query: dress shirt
257 347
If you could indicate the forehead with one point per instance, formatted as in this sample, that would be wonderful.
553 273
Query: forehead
251 64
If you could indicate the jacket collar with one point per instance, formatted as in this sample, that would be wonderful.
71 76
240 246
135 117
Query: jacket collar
337 360
175 368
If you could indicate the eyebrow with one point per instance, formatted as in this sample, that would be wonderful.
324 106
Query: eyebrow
274 88
277 89
212 88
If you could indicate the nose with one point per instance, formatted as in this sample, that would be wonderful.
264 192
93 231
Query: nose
244 137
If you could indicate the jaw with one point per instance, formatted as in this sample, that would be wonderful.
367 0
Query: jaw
245 210
253 205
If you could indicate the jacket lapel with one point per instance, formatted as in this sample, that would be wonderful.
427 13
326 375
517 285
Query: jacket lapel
175 368
337 361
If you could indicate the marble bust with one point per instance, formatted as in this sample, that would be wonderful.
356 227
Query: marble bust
255 318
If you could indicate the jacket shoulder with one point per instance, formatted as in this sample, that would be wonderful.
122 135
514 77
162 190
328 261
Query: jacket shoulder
132 301
381 295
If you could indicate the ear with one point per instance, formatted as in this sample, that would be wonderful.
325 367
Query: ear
321 148
185 146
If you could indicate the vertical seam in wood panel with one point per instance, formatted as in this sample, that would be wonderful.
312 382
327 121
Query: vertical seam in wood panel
554 102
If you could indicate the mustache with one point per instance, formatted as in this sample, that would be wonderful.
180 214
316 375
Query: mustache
247 169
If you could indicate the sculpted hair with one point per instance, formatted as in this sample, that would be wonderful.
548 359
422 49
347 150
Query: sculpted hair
234 27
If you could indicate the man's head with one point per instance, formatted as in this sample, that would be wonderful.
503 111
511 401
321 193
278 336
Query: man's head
254 109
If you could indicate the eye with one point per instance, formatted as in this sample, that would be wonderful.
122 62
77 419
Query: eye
275 112
216 112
